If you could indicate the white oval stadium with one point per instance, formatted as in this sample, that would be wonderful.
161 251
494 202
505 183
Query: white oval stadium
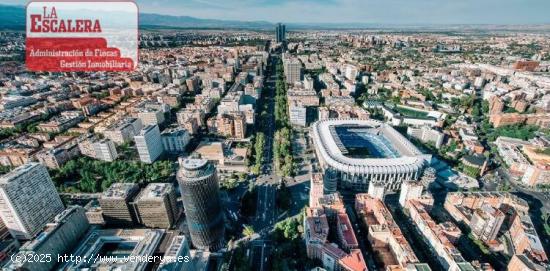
354 152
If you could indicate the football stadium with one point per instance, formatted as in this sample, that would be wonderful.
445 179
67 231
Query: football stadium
354 152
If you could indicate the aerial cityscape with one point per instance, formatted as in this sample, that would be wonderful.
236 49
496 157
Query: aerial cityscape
284 141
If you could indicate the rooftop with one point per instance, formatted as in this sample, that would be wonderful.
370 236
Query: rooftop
155 191
119 190
17 172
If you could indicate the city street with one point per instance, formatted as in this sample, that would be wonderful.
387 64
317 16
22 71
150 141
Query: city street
266 183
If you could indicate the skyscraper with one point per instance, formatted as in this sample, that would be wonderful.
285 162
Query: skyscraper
198 182
149 144
28 200
280 33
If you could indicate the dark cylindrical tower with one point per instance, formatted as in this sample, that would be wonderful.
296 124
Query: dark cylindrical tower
198 182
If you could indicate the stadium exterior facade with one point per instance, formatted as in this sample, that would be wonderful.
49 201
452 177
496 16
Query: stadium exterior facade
399 159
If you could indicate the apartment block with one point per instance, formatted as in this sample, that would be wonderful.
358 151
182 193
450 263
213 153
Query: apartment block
28 200
105 150
384 235
149 144
330 219
175 140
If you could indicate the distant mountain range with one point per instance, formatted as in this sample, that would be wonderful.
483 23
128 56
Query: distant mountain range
13 18
192 22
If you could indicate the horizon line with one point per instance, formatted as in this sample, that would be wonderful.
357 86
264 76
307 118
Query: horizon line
320 24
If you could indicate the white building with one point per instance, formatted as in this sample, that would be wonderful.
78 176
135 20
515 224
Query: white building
350 86
309 82
297 115
377 190
351 72
151 116
124 131
175 140
410 190
28 200
149 144
427 134
105 150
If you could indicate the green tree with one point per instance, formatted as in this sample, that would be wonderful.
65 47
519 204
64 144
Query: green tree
248 231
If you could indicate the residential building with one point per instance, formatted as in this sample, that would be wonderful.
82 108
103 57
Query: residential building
520 262
486 222
232 125
384 235
151 116
149 144
28 200
123 131
105 150
316 189
427 135
440 237
175 140
342 252
525 238
410 190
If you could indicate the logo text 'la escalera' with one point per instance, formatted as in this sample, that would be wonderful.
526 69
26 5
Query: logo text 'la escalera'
48 22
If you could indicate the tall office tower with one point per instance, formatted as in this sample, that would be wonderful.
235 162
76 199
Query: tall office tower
115 204
156 206
199 190
280 33
105 150
28 200
58 238
149 144
410 190
293 70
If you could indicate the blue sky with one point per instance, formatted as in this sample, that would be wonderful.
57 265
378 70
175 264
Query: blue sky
356 11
